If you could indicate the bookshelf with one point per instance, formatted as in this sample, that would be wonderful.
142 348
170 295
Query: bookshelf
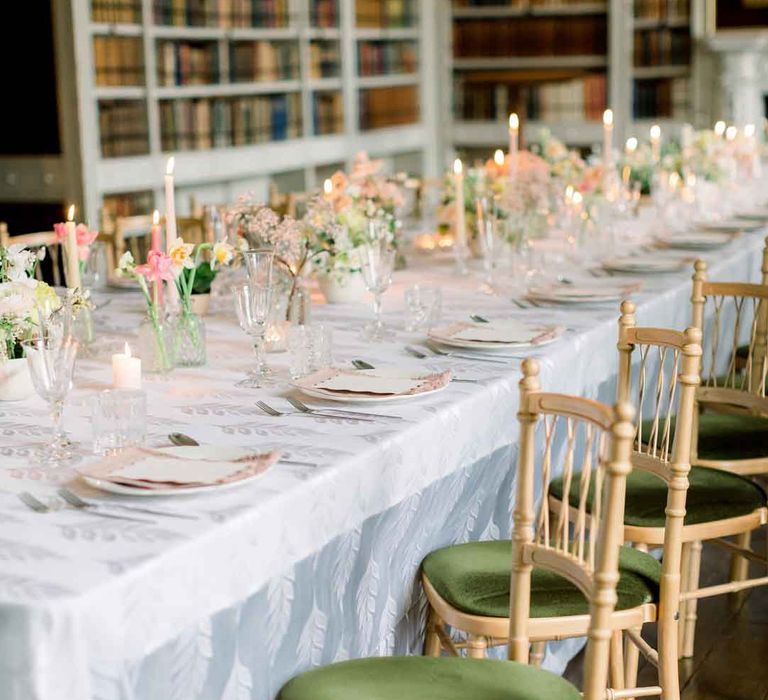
242 92
560 63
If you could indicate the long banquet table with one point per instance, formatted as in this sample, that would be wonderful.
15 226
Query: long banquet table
306 565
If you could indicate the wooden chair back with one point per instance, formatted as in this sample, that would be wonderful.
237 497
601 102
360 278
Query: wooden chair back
733 319
35 241
663 389
293 204
596 439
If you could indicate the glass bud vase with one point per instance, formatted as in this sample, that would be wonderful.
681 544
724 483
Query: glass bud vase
189 339
155 345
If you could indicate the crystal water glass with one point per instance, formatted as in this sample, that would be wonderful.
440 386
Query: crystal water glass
378 263
310 348
424 305
259 263
252 304
119 420
487 226
51 361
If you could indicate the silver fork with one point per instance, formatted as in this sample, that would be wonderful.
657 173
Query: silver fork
39 507
444 353
34 503
76 502
280 414
300 406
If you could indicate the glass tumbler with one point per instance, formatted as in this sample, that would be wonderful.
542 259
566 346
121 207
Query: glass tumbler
119 420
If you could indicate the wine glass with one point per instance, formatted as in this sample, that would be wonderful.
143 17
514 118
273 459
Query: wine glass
259 263
51 362
378 262
253 303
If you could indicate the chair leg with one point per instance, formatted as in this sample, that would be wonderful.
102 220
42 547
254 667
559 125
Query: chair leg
537 653
685 562
432 646
476 647
617 661
691 605
669 679
631 661
740 565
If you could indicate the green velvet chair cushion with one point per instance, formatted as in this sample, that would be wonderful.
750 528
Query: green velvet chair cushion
474 578
427 678
723 436
713 494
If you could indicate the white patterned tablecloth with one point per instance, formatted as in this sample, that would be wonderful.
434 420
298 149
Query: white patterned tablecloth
305 565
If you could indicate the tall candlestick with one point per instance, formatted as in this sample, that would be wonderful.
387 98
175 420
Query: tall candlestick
156 230
170 205
461 224
327 188
73 258
656 143
631 146
126 370
514 143
608 138
170 224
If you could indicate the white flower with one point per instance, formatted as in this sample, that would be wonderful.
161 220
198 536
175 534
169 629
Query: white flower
181 254
222 253
19 262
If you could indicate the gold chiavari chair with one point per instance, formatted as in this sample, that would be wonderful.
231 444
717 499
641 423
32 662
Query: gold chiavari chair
743 352
587 567
731 423
35 241
658 582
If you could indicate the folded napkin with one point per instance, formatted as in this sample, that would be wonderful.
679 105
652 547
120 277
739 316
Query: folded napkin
372 382
180 467
505 331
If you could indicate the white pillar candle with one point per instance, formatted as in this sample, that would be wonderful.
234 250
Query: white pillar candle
73 258
608 138
461 224
656 143
514 143
126 370
170 205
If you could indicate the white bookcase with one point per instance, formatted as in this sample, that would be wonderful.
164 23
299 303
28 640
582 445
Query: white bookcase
219 174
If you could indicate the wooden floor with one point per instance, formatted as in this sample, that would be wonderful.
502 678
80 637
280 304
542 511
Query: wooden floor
731 654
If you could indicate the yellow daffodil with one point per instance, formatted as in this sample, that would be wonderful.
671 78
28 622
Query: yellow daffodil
181 255
222 253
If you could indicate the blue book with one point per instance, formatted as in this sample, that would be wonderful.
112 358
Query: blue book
279 117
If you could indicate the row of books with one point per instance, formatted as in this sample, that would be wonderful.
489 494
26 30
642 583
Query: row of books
386 13
324 13
123 128
187 63
222 13
116 11
324 59
128 204
662 9
327 113
662 47
523 4
264 60
118 60
386 57
530 36
390 106
219 123
653 99
579 99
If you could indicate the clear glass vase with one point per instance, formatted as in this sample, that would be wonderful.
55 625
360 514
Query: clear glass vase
82 327
189 340
155 345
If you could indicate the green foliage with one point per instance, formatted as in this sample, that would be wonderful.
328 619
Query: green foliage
203 278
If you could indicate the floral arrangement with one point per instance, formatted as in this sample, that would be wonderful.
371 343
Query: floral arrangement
24 301
85 239
530 191
564 164
349 202
192 272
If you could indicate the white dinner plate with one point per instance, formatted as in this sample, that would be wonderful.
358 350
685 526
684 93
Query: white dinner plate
696 241
203 451
436 335
645 265
384 398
